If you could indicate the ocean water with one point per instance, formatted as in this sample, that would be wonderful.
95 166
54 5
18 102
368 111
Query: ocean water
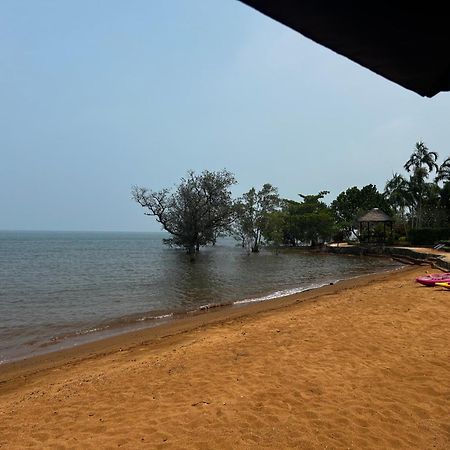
58 289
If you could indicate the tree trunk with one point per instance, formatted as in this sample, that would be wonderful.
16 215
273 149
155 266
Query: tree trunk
191 252
255 246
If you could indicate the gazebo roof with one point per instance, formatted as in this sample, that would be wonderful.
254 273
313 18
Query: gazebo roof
375 215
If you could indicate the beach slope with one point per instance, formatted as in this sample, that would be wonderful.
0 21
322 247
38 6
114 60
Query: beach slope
362 364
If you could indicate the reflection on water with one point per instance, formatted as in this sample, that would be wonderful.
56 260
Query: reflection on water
60 284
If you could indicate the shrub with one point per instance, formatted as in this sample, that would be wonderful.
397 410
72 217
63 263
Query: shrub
429 236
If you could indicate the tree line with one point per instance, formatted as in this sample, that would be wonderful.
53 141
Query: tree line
421 197
201 208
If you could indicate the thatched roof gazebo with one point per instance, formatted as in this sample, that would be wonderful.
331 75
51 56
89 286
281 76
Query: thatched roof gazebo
372 226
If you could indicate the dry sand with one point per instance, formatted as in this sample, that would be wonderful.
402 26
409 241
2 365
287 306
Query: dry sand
363 364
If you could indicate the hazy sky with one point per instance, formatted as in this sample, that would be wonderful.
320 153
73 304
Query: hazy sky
96 96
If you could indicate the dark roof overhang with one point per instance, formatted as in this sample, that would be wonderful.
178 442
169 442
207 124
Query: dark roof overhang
407 44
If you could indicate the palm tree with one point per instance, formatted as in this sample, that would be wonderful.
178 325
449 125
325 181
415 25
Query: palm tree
421 163
398 192
443 173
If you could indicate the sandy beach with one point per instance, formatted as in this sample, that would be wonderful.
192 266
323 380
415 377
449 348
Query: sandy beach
362 364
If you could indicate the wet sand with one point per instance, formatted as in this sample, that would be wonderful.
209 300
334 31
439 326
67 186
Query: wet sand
361 364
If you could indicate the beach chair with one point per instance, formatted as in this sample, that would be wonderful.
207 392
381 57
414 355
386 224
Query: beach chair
438 246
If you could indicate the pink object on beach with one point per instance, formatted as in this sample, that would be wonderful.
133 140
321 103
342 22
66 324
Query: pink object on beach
430 280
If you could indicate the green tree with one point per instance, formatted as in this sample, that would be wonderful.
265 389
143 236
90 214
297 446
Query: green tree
354 202
292 231
422 161
252 212
444 202
194 214
315 219
433 214
398 192
443 173
274 230
420 164
310 220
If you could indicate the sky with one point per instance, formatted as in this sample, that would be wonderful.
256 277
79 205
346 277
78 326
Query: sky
99 95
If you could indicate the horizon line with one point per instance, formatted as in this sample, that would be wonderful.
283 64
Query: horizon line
78 231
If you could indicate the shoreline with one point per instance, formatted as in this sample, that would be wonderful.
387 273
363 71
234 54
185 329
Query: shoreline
363 363
179 324
71 307
154 319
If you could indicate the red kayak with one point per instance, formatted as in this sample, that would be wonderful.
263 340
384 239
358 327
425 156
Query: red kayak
433 278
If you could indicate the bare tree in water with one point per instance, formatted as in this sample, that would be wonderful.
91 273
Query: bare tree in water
200 208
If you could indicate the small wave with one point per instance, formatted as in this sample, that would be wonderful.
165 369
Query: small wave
162 316
91 330
297 290
282 293
78 333
102 329
214 305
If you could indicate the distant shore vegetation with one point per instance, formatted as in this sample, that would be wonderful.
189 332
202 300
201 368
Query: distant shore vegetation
201 208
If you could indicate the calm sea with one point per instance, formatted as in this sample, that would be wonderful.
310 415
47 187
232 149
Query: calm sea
58 289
